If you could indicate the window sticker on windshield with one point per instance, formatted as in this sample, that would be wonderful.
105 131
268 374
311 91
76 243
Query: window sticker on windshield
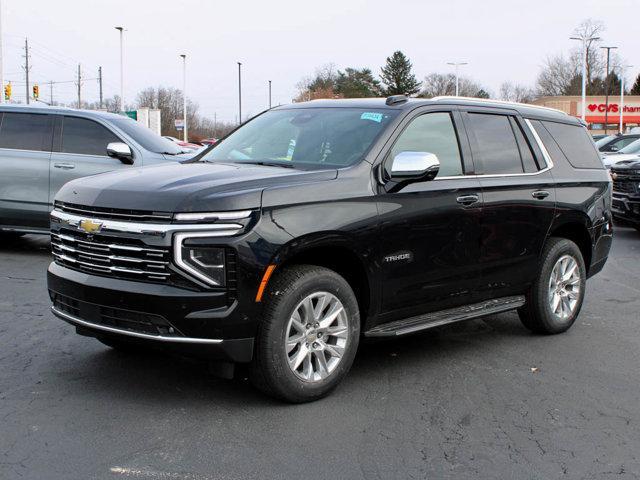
373 116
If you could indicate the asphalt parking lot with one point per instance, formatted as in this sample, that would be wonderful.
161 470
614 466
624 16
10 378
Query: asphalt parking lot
483 399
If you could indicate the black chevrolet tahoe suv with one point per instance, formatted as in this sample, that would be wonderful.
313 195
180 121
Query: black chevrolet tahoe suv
317 224
626 192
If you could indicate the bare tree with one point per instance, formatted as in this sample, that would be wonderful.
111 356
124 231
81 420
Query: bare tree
513 92
319 85
557 76
443 84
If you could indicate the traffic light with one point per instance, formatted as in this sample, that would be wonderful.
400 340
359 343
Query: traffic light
36 92
7 91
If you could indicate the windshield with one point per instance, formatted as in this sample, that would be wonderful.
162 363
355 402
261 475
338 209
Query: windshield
145 137
304 138
633 147
605 140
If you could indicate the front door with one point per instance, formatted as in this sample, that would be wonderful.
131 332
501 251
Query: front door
80 150
430 231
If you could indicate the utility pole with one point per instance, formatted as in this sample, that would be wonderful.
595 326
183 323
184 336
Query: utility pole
606 92
239 93
184 96
121 29
79 87
100 85
26 66
51 93
1 59
269 93
457 65
215 124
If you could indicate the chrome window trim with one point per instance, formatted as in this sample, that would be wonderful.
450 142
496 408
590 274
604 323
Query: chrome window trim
178 240
77 321
221 229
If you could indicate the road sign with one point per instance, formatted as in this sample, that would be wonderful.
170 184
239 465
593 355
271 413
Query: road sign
132 114
179 124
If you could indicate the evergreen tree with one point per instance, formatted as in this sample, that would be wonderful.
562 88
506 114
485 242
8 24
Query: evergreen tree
482 94
635 90
397 76
355 83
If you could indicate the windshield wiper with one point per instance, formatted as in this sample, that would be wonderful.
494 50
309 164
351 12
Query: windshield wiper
267 164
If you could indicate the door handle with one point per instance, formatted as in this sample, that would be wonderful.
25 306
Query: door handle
64 166
540 194
468 199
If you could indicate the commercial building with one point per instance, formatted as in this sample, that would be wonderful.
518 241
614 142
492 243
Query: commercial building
596 113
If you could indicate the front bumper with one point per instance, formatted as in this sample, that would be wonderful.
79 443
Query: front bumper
189 321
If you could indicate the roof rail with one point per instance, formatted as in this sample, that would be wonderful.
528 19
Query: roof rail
396 99
504 102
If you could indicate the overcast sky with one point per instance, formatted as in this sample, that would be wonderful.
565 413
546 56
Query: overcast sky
286 40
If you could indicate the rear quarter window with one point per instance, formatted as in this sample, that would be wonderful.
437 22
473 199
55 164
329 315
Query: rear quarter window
575 144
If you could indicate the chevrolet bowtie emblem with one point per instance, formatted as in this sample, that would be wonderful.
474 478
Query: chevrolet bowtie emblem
90 226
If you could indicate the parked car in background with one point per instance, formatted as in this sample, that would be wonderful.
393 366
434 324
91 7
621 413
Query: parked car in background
42 148
626 192
630 152
615 143
186 146
598 136
316 223
209 141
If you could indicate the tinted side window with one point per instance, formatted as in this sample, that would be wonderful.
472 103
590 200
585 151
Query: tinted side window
495 143
433 133
86 137
26 131
526 154
575 143
621 143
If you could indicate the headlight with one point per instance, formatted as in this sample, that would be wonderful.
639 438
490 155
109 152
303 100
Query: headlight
206 263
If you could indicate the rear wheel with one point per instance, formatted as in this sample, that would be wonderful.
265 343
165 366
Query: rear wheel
308 336
555 299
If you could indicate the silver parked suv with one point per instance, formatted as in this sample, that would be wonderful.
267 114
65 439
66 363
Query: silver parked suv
42 148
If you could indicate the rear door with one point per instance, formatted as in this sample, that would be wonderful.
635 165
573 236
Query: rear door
80 149
430 231
519 199
25 149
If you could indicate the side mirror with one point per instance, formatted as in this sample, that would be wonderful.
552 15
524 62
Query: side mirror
121 151
410 167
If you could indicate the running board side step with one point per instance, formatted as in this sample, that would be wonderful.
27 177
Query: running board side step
443 317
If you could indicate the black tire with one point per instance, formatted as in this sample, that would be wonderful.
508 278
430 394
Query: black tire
537 313
270 370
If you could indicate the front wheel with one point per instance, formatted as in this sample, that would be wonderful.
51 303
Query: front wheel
555 298
308 336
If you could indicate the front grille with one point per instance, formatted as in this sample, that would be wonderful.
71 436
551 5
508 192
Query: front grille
625 186
113 256
140 322
115 213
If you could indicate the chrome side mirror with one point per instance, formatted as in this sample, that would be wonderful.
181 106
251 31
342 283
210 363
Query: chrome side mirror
121 151
415 166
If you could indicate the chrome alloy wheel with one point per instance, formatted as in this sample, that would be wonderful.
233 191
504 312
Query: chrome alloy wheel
317 335
564 287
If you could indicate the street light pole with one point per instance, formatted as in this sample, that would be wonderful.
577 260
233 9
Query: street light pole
269 93
457 65
239 93
184 95
606 103
584 41
121 29
623 71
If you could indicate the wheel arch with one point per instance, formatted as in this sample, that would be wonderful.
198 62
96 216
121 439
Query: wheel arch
336 252
577 230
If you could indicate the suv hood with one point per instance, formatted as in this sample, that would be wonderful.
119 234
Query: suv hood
185 187
611 160
627 166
